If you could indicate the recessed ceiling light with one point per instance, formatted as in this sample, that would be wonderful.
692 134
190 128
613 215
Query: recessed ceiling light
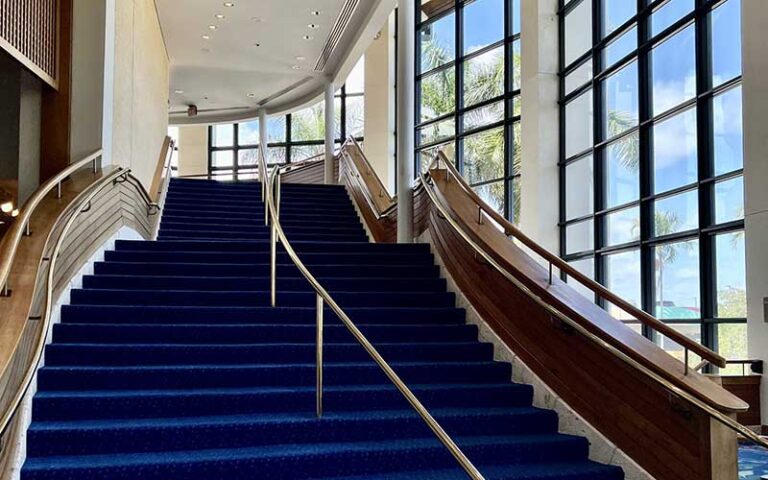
296 67
229 4
300 59
307 37
206 37
251 95
220 16
178 92
315 13
313 26
257 19
212 27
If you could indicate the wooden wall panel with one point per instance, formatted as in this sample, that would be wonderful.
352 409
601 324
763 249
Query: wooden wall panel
29 33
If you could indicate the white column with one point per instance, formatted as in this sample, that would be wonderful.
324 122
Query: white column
755 110
540 121
330 133
263 131
406 48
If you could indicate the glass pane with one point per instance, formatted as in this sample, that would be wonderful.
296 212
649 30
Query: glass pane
355 116
514 200
276 129
669 13
731 278
692 331
223 159
579 190
578 124
586 267
616 13
517 150
516 62
223 135
620 92
578 77
675 214
620 48
622 171
677 290
483 116
437 131
673 67
580 237
248 158
622 226
248 133
308 124
426 156
728 142
484 156
515 17
276 155
578 31
483 24
484 77
438 94
729 200
438 42
732 344
675 152
726 42
493 195
356 80
433 8
622 277
302 153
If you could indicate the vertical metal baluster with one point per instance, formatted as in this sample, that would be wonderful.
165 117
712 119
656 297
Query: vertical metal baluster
550 273
27 232
319 357
58 190
686 361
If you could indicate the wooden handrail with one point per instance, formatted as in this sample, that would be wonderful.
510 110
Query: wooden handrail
10 243
162 169
374 190
642 316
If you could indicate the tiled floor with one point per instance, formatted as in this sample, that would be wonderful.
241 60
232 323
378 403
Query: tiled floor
753 463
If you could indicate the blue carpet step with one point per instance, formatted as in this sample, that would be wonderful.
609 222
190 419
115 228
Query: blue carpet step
313 258
263 247
360 284
248 235
308 461
261 269
273 375
260 227
306 209
150 315
134 354
261 333
286 220
237 431
66 405
251 298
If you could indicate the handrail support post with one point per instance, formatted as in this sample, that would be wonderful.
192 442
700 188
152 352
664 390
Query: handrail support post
550 273
58 190
479 215
27 231
319 358
686 361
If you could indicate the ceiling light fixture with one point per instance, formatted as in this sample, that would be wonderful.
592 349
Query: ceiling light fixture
206 37
212 27
229 4
256 44
251 95
296 67
307 37
178 92
300 59
220 16
257 19
315 13
7 207
313 26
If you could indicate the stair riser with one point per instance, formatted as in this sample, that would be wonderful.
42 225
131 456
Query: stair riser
198 334
81 355
245 299
259 227
287 220
341 258
254 316
201 403
307 209
248 247
216 235
252 434
63 378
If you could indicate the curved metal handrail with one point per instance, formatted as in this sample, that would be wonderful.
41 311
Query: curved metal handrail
642 316
21 226
425 178
277 234
80 205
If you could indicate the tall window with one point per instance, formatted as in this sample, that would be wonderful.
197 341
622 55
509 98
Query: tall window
468 94
233 149
652 201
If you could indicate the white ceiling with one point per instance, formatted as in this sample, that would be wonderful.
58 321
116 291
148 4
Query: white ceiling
219 74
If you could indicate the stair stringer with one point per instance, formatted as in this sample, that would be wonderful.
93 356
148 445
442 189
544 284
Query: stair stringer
601 449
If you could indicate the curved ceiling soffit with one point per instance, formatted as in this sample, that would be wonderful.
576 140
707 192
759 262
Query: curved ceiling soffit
353 32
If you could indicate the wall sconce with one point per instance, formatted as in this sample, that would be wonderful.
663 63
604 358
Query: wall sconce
6 202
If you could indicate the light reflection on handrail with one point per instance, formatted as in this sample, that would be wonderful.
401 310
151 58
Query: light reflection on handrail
323 297
729 422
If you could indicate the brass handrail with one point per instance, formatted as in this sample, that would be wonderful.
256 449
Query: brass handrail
77 209
555 261
425 178
21 227
323 297
370 173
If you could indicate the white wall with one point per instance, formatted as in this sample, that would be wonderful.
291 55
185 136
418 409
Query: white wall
380 104
140 88
87 93
755 106
193 150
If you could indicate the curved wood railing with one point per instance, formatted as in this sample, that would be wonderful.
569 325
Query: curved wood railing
90 206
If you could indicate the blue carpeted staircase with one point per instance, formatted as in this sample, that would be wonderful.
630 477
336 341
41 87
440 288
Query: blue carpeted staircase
169 363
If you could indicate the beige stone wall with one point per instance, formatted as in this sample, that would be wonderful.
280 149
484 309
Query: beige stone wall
193 150
141 83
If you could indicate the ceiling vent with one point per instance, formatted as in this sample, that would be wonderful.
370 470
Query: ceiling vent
336 33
